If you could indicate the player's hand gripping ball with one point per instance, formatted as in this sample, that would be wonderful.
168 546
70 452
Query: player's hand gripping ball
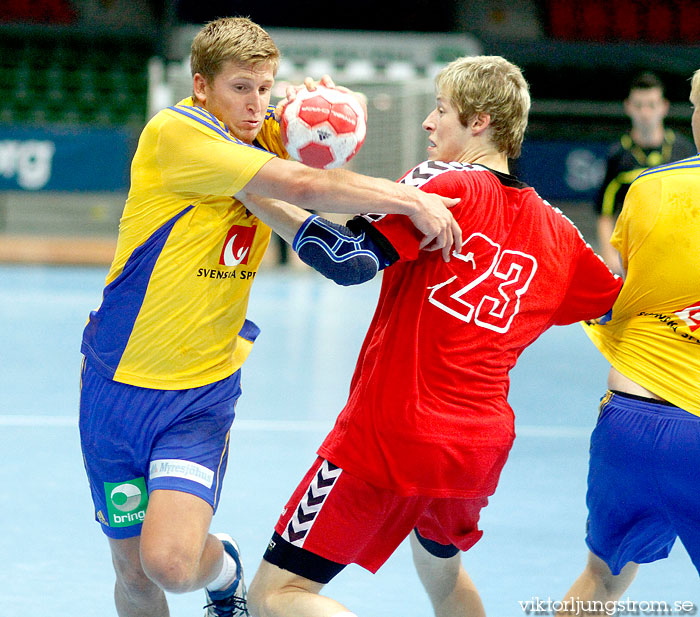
323 128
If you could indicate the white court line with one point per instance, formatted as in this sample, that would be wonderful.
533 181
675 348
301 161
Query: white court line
283 426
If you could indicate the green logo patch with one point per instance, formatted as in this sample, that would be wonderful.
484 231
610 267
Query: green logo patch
126 502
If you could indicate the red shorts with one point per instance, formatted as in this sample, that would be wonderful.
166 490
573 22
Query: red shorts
337 517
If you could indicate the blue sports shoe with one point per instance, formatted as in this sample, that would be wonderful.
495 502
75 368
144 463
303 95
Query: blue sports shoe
230 602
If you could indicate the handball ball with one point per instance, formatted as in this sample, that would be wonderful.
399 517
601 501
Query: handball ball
323 128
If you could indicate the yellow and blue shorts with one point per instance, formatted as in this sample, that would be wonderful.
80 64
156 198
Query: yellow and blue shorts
135 440
642 481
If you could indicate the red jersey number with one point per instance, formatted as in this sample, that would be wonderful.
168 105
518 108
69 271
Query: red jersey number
488 285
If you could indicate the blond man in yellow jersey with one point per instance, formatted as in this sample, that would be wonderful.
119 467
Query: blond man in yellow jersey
162 353
645 450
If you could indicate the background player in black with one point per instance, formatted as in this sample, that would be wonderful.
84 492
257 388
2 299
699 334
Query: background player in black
647 144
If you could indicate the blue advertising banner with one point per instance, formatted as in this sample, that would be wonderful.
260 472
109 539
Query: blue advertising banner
79 159
563 170
71 159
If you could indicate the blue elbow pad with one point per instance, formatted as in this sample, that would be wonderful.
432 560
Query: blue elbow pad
346 255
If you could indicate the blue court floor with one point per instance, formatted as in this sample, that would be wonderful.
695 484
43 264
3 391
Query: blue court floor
54 560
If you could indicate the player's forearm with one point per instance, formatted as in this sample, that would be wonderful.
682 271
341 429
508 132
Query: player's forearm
353 193
337 190
284 218
604 226
428 211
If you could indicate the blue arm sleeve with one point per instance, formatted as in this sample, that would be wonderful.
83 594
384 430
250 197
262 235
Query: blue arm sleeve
346 255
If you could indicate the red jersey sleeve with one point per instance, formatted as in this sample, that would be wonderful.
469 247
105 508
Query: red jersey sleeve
592 290
402 234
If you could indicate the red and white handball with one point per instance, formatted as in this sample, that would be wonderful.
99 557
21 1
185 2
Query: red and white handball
323 128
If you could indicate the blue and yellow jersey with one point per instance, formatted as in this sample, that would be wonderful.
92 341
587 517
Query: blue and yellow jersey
654 334
173 314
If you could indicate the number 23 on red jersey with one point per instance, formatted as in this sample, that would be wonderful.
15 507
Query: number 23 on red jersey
488 286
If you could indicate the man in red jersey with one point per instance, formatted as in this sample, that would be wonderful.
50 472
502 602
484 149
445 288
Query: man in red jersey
427 428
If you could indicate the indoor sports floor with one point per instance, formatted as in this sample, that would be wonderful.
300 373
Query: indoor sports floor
54 560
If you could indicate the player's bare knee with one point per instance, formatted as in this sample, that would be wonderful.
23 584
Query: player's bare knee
173 577
171 572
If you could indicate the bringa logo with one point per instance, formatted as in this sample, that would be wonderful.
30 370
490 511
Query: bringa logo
237 245
691 316
126 502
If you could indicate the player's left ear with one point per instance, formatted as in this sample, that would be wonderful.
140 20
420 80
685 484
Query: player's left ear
199 88
480 122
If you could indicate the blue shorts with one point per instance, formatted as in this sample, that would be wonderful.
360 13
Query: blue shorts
643 481
135 440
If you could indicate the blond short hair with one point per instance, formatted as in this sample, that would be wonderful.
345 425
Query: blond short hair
695 89
231 38
489 85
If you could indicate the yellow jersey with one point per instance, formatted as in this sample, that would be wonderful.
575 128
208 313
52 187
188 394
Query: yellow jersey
173 314
654 334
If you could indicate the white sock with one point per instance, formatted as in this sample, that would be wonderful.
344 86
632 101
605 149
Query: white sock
228 574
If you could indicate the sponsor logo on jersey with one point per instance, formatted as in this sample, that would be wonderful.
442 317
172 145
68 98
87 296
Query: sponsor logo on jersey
688 318
691 316
174 468
126 502
237 245
216 273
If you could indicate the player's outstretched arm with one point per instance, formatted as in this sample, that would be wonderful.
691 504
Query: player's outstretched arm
341 190
283 218
346 256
